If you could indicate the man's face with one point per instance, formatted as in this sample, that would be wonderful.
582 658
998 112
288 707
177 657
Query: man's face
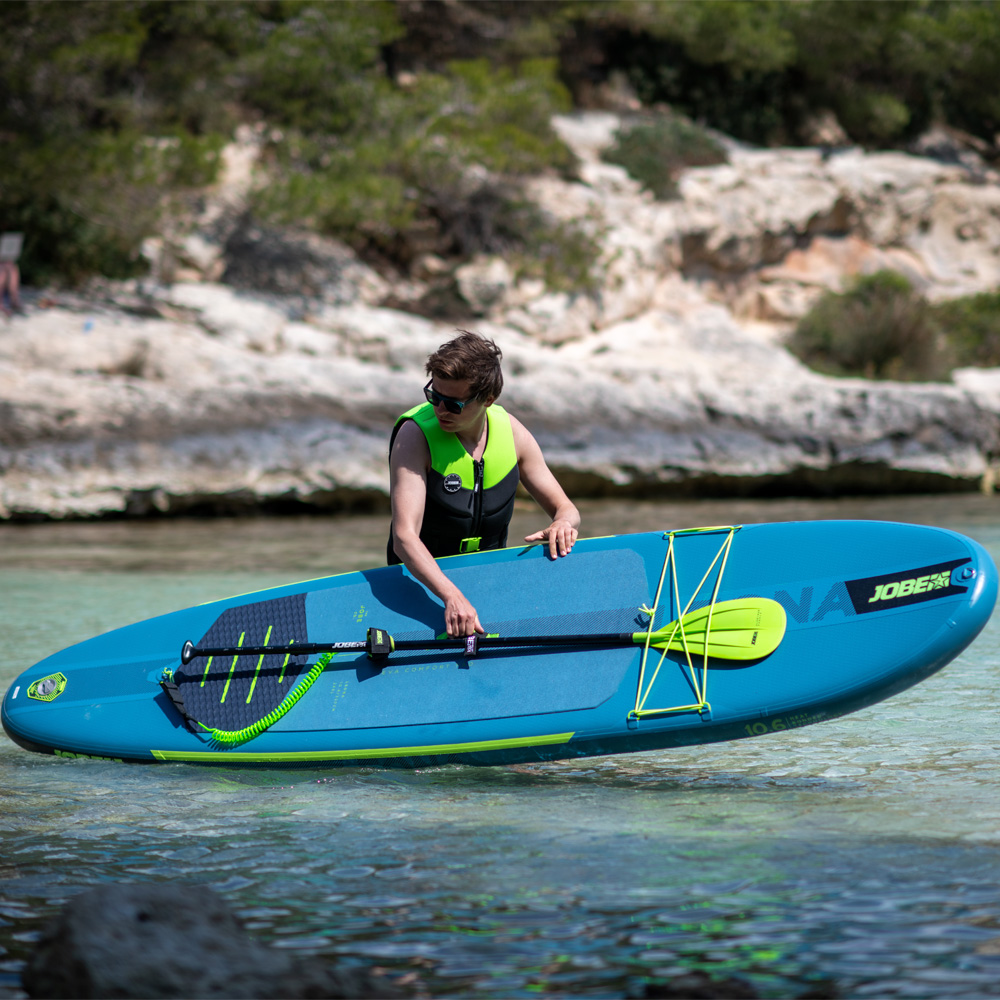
461 390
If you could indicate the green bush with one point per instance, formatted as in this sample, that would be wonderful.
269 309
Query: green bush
972 325
562 254
759 70
654 151
435 167
86 205
318 68
879 328
113 109
110 111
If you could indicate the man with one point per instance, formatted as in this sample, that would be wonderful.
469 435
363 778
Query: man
454 465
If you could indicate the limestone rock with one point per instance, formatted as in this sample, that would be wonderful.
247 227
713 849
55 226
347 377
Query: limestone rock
555 318
484 282
822 128
204 255
932 219
952 145
153 941
669 376
283 262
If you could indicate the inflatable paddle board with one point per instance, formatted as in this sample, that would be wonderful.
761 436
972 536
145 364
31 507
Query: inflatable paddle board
631 643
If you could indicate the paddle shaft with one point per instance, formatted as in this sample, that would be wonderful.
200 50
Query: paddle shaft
191 652
739 624
605 639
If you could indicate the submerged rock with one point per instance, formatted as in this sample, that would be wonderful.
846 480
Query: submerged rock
174 941
700 986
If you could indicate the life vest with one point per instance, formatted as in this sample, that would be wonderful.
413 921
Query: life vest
469 504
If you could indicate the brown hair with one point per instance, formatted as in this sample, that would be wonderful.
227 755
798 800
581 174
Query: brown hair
469 357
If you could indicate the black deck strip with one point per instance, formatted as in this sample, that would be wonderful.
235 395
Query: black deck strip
216 692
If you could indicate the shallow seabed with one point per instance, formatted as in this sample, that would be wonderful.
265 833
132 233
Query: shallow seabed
862 853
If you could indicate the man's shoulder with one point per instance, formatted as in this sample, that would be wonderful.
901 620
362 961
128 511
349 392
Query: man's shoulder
409 435
409 450
520 432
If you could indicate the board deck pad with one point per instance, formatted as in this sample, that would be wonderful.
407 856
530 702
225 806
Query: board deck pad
230 692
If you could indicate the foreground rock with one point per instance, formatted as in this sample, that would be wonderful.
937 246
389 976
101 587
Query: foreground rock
701 986
278 389
173 941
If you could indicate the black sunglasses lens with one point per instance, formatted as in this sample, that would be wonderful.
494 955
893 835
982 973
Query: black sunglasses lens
436 399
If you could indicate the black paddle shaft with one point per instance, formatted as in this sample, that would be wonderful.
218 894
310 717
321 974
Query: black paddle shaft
191 652
379 647
474 642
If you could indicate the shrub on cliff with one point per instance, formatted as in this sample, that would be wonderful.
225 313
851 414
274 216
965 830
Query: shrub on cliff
107 114
972 325
434 168
655 150
879 328
114 111
759 71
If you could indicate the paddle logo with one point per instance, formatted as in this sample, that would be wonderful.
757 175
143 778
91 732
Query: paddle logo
894 590
47 688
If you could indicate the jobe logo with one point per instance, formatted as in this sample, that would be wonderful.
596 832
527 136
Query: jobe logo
874 593
896 590
915 585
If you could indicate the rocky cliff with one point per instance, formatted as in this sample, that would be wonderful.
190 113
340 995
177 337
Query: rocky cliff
262 369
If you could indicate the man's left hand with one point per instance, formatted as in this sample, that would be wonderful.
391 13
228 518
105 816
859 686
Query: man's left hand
560 535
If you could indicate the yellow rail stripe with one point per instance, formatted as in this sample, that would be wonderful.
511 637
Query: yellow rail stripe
305 756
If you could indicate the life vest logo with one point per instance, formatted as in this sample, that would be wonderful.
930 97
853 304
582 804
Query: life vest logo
47 688
452 483
893 590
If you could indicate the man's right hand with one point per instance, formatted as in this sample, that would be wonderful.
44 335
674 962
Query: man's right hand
460 618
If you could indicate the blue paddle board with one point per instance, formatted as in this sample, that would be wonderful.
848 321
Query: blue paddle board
867 609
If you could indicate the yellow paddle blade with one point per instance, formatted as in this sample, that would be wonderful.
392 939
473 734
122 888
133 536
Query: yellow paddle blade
748 628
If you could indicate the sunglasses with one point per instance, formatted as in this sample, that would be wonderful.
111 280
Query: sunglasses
451 404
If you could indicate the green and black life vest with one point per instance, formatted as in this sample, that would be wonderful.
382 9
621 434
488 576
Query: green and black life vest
469 504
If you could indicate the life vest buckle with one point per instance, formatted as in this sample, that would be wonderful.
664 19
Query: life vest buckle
469 545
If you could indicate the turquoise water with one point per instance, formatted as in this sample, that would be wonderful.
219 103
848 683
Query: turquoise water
863 853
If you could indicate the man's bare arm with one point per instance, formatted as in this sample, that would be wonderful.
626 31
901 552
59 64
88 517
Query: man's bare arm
539 481
408 467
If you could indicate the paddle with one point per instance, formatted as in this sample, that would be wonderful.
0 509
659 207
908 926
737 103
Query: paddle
748 628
